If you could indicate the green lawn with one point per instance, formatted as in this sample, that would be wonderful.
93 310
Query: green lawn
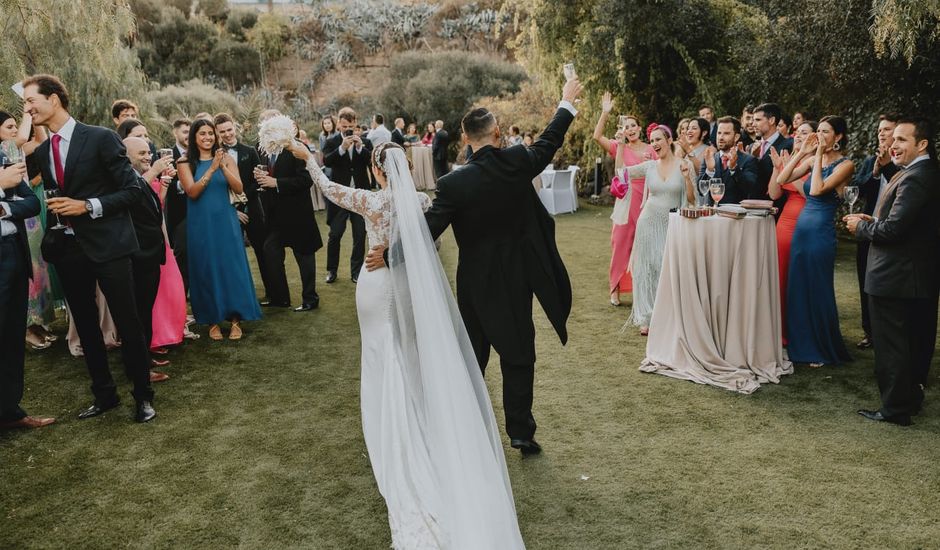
258 443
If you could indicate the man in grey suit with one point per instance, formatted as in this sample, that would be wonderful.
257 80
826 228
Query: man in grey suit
903 273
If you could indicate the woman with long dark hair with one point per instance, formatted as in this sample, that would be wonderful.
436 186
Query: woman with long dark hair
220 284
813 334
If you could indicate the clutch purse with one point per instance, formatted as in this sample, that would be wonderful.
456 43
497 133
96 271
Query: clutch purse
237 198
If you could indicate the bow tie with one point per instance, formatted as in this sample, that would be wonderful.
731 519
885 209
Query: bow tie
230 147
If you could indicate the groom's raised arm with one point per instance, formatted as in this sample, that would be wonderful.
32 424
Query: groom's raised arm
543 150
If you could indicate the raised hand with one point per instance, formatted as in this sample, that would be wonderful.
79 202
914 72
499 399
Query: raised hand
777 160
685 166
710 158
811 142
732 160
571 90
607 103
620 136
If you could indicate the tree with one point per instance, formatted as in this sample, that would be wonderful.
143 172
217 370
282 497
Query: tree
237 63
216 10
84 44
901 28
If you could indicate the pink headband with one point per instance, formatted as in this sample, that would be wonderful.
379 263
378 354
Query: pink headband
657 126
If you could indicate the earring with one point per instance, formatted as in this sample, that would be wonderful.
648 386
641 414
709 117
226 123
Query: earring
836 147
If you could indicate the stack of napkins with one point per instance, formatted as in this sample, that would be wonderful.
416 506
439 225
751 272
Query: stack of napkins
732 211
758 207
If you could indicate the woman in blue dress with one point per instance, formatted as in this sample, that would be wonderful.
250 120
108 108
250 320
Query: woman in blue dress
813 331
220 284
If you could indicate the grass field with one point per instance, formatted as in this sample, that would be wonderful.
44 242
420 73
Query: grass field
258 443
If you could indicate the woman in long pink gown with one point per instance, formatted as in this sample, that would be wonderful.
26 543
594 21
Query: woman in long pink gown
626 209
791 212
169 310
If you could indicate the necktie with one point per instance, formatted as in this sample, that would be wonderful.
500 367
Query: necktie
57 160
724 161
764 144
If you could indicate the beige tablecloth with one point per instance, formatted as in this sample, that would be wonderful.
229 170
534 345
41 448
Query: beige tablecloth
717 315
423 168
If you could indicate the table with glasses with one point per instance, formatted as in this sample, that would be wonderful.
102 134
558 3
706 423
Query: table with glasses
423 172
716 318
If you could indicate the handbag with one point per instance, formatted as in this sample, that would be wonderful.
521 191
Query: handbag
237 199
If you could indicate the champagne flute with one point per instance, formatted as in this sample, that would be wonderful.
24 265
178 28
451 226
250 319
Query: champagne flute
851 195
51 194
718 191
569 71
622 123
263 168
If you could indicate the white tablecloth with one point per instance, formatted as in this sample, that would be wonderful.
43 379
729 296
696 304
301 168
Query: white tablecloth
717 319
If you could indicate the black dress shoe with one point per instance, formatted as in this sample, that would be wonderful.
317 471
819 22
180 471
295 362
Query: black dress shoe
528 446
269 303
96 409
900 419
865 343
145 412
355 279
307 306
330 277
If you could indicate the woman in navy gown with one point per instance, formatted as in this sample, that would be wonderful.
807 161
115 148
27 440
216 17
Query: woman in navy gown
220 284
812 318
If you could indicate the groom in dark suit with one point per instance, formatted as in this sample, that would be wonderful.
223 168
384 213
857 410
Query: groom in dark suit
97 187
903 275
737 169
507 253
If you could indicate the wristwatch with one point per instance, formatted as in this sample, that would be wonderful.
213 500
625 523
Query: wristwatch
88 207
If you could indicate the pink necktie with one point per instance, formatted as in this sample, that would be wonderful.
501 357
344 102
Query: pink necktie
763 147
57 159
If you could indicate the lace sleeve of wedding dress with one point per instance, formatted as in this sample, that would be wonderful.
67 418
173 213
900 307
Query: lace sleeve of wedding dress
360 201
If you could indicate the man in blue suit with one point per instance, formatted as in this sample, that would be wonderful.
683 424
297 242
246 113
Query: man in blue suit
737 169
17 204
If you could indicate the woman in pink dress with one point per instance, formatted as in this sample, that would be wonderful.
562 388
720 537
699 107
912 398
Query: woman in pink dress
632 151
169 310
791 212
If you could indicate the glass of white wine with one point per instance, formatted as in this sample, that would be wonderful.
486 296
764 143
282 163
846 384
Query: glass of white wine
851 195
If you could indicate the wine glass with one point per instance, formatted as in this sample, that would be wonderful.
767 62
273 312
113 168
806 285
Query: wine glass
622 123
11 153
717 190
263 168
570 73
703 186
51 194
851 195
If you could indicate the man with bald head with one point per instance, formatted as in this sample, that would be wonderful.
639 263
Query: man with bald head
147 216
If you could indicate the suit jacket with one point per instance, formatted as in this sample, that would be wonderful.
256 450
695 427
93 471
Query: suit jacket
398 137
96 167
20 211
289 209
506 239
439 145
741 183
346 167
147 216
175 202
765 168
869 187
247 159
902 259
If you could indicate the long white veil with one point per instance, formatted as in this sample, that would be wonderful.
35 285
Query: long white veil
446 386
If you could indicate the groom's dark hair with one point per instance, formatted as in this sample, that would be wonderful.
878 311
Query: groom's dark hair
478 123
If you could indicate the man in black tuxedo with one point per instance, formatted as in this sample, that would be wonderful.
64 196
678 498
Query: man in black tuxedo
398 134
17 204
737 169
97 187
147 216
747 127
507 249
766 117
176 202
876 172
439 149
288 211
903 275
251 214
350 157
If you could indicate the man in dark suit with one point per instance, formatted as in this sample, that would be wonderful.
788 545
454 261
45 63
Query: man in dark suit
350 158
506 241
147 216
903 275
176 202
737 169
251 214
17 203
398 134
97 187
766 117
708 113
439 150
876 172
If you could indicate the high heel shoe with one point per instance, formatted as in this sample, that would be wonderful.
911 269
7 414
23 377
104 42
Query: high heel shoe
615 299
42 344
236 333
215 333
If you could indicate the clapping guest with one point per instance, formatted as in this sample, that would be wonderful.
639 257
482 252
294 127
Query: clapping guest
876 172
15 273
696 143
735 168
660 195
813 334
903 278
682 129
795 201
428 137
40 311
220 281
628 150
766 118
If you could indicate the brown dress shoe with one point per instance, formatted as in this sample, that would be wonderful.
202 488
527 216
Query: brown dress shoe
26 422
156 376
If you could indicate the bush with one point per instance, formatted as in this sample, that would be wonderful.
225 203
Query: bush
240 22
237 63
179 49
270 36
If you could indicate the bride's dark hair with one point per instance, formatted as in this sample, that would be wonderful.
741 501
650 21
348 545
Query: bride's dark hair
379 155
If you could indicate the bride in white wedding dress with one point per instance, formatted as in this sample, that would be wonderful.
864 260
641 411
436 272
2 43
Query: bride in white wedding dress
426 414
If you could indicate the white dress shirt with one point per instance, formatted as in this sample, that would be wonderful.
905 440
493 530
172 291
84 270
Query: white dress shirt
65 132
